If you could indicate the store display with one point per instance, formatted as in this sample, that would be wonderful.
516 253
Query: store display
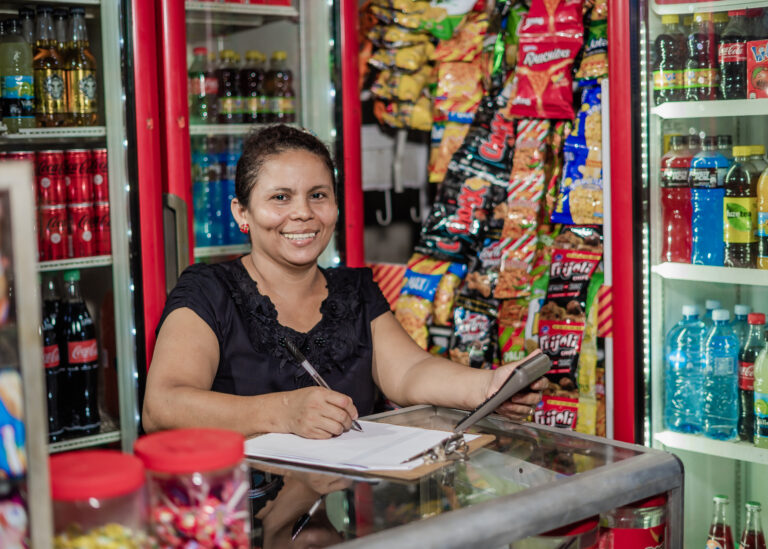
750 349
720 529
752 535
683 377
720 391
740 212
669 50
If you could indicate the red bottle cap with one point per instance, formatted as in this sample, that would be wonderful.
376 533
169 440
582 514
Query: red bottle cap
731 13
756 318
655 501
100 474
574 529
183 451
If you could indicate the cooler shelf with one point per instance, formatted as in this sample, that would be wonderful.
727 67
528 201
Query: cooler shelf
53 134
712 109
742 451
706 273
85 442
219 251
224 13
682 8
222 129
78 263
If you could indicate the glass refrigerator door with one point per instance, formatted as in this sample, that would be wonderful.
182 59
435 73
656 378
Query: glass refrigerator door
684 231
250 64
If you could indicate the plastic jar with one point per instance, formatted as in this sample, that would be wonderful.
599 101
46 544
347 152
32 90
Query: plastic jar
98 500
198 488
637 526
579 535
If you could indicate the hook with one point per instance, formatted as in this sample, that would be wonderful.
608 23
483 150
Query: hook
387 218
397 161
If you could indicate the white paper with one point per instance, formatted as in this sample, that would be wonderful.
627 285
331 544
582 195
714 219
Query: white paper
380 446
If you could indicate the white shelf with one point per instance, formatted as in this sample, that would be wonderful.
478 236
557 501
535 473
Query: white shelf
46 134
78 263
712 5
742 451
219 251
706 273
84 442
222 129
711 109
224 13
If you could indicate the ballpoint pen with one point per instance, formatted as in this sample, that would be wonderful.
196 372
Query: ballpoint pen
301 359
304 519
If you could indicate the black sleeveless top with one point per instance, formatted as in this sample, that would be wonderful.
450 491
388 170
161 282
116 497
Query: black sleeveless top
252 358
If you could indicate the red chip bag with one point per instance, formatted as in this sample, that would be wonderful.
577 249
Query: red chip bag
543 79
550 16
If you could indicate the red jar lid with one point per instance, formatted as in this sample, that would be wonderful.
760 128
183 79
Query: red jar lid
183 451
78 476
586 525
655 501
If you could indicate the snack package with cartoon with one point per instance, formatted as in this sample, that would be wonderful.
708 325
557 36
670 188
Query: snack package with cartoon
594 64
13 457
474 332
14 522
580 199
757 69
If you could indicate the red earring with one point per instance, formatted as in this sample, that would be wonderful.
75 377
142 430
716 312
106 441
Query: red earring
244 228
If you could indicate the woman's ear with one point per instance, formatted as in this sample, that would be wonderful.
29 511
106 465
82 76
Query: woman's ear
238 211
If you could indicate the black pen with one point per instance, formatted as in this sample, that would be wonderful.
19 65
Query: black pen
301 359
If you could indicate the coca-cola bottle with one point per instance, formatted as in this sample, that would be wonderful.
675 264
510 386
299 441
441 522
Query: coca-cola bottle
54 366
80 398
720 536
752 536
732 57
701 75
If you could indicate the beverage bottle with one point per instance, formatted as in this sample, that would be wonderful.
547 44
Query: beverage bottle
720 22
200 100
212 88
230 109
80 71
252 80
757 158
740 324
27 22
721 375
750 349
740 212
732 56
61 30
701 75
17 77
755 23
200 192
762 221
720 536
760 373
50 86
278 85
710 305
752 536
668 61
55 366
80 396
218 207
706 177
684 379
725 146
676 203
229 155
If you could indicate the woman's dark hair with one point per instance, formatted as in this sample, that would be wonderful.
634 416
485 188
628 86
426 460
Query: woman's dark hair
263 144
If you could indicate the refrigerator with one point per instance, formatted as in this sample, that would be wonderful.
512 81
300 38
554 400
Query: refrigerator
659 288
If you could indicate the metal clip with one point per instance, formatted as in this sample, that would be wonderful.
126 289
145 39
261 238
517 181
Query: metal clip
454 448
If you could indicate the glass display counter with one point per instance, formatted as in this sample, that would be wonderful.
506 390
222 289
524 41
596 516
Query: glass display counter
530 479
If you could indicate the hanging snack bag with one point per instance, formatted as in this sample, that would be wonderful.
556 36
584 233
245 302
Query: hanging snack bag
405 6
561 342
416 115
446 294
401 86
466 44
489 267
513 316
557 411
474 330
560 132
445 16
594 64
407 60
451 136
554 16
580 199
395 37
459 90
512 36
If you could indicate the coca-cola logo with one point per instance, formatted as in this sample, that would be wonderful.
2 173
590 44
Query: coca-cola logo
81 352
735 51
552 344
48 167
51 357
78 166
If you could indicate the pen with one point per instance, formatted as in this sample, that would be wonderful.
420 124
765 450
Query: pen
301 359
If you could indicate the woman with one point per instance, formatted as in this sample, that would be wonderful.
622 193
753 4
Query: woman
220 358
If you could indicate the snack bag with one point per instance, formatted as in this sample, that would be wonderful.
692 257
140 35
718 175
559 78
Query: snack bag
580 199
466 44
416 115
446 293
405 6
474 326
512 36
543 81
557 411
561 342
569 276
395 37
451 136
487 270
444 16
594 64
407 60
459 90
553 16
560 132
587 369
401 86
513 317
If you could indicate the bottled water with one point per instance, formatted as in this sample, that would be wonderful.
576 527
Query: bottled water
721 390
739 325
710 305
684 373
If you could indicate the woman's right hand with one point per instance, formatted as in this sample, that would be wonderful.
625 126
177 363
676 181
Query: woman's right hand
316 412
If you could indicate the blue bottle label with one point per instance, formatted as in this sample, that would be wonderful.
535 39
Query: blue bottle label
18 87
762 223
724 365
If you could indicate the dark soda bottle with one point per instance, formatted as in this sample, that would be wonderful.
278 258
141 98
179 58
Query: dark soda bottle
732 57
740 212
754 343
252 80
720 536
230 100
55 367
669 61
752 536
80 394
278 84
676 202
701 75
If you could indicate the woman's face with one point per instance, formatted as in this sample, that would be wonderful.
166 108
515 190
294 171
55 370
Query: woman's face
292 210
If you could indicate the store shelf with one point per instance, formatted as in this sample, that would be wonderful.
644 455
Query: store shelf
78 263
239 15
222 129
220 251
714 5
742 451
53 134
706 273
712 109
85 442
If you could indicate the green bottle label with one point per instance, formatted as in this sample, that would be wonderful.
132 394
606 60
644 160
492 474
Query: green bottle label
739 220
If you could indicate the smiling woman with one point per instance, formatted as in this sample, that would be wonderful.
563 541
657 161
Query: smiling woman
221 358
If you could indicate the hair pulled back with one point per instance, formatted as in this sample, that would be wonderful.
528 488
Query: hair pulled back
271 141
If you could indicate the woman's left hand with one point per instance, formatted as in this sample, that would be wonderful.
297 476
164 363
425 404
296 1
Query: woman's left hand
520 406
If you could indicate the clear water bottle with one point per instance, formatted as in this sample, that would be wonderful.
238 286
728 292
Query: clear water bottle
206 180
684 379
739 323
710 305
229 156
721 379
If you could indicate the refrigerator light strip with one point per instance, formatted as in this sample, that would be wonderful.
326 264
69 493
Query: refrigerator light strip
719 5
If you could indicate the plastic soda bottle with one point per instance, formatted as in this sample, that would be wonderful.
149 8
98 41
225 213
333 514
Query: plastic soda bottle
669 59
701 73
757 158
17 78
761 398
252 80
228 158
200 99
740 212
201 189
762 221
80 71
752 536
750 349
721 374
684 379
739 324
720 536
732 56
706 177
709 307
230 101
676 202
278 85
